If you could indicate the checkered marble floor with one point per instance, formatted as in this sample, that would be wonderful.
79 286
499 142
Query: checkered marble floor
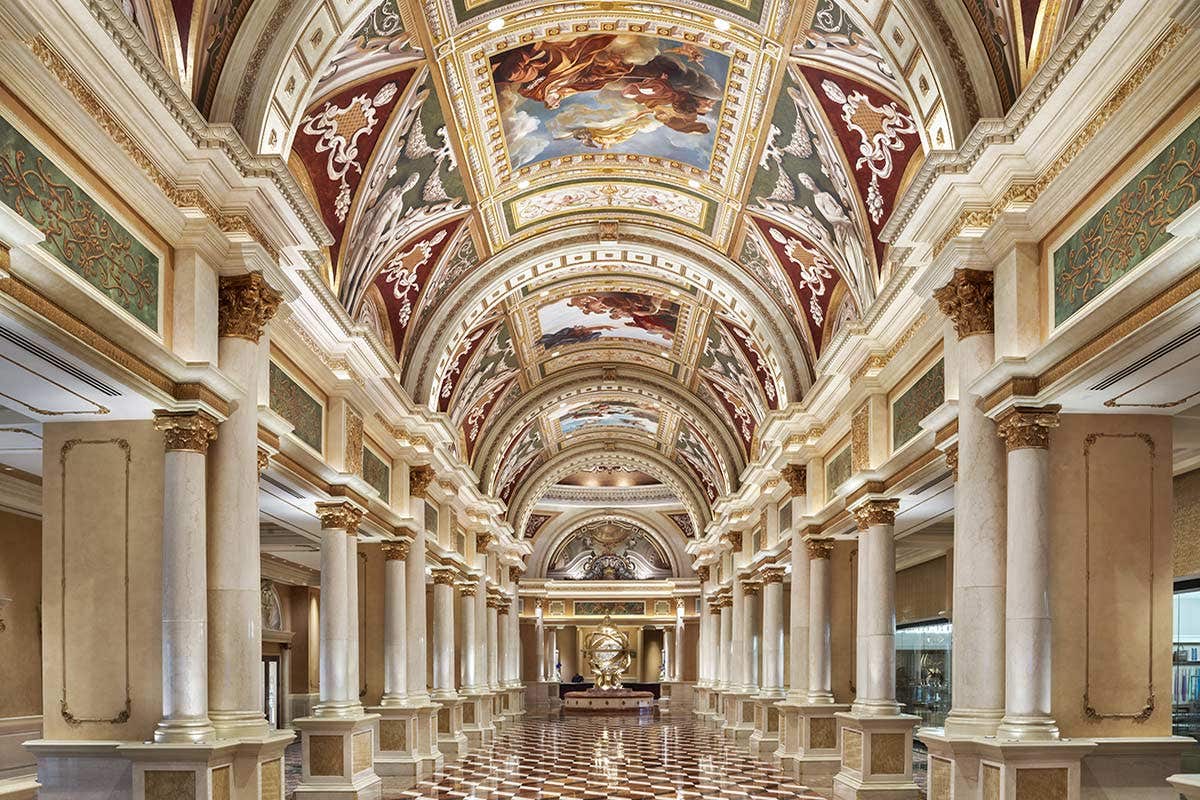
596 757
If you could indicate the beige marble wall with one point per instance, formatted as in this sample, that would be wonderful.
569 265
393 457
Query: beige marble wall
842 594
103 503
1185 525
20 642
1111 573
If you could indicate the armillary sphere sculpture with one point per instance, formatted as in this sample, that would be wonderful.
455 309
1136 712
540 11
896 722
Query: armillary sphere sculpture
608 654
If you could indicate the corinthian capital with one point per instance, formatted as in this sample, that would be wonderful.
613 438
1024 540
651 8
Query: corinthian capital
339 515
1023 427
876 512
796 476
186 430
419 479
967 301
245 303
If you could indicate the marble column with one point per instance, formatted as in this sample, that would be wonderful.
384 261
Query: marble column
1026 434
443 634
539 642
677 653
352 656
772 632
552 654
468 672
514 640
876 651
503 642
725 627
338 698
799 602
668 657
395 625
751 637
417 678
481 647
186 435
235 688
979 519
738 655
820 672
493 643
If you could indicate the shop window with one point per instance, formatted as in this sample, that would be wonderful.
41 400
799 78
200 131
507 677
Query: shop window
923 670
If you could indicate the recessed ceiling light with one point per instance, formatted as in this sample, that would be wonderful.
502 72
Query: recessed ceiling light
522 184
695 184
498 23
719 24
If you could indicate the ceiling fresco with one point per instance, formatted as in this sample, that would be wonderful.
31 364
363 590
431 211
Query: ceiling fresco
604 227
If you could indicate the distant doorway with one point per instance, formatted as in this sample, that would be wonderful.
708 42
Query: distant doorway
272 691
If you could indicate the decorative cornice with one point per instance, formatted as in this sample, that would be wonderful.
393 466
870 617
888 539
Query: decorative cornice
796 476
339 515
420 478
771 575
876 512
245 304
395 551
967 301
186 430
819 548
1023 427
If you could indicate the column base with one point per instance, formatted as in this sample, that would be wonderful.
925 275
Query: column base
514 702
339 758
477 717
407 741
808 743
764 740
705 700
717 720
876 757
542 697
963 723
739 715
451 740
680 697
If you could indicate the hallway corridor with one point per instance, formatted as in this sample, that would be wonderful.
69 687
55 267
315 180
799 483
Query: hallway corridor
594 758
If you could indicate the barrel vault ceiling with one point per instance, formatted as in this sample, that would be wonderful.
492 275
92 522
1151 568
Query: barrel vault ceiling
604 238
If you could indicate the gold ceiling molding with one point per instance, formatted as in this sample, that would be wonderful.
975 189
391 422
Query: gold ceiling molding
804 438
29 297
182 198
402 434
1027 192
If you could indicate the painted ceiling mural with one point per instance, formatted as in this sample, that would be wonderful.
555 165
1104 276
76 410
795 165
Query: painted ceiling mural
450 145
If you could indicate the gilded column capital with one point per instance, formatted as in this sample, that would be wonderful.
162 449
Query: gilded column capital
1024 427
952 461
750 587
497 603
339 515
395 551
796 476
771 575
186 430
876 512
264 459
967 301
420 478
502 608
444 577
466 589
733 539
819 548
702 573
483 541
245 303
514 574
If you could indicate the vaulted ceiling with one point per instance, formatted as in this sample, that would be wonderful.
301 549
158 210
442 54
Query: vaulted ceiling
604 237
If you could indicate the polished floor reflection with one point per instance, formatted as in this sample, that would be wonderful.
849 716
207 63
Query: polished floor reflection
593 758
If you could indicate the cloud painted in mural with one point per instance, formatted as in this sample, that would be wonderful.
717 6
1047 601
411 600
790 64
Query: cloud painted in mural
607 315
618 93
597 414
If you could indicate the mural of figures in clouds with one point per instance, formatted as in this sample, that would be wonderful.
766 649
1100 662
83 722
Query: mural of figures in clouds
616 315
622 93
608 414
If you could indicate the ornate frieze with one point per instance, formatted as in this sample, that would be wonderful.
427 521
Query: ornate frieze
186 430
918 401
796 476
1025 427
419 479
294 403
245 304
860 435
395 551
819 548
967 301
339 515
876 512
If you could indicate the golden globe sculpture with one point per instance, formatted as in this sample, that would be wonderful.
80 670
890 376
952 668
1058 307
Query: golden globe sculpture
608 654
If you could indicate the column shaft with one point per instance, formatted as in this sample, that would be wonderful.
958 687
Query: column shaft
738 657
466 659
335 618
820 675
877 614
751 639
395 625
539 639
725 679
443 635
798 638
480 640
493 647
352 656
415 636
772 632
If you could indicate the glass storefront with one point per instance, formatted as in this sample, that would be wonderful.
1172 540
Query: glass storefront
923 670
1185 671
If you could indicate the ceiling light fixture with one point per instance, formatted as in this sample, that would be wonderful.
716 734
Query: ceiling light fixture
522 184
498 23
720 24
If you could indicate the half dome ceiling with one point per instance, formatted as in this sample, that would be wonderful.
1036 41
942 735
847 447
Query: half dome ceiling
603 238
